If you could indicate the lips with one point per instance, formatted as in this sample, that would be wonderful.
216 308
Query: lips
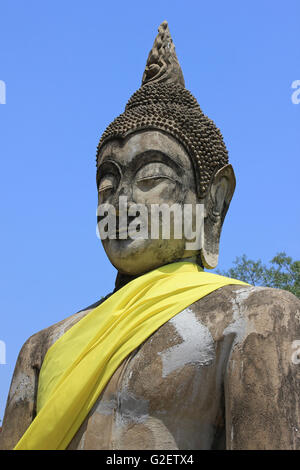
119 228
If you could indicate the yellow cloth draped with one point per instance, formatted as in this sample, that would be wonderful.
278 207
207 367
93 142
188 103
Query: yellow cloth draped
79 364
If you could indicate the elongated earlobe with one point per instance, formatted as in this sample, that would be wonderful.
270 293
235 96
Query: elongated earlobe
216 204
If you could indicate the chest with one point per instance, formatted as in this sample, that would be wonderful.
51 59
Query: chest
165 395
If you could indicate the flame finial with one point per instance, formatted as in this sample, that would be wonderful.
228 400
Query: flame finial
162 63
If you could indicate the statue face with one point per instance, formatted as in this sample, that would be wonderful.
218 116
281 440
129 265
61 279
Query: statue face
147 167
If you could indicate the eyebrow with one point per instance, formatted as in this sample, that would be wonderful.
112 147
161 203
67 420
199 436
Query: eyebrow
110 158
163 157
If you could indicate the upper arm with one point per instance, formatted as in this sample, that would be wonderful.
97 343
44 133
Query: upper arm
21 402
262 379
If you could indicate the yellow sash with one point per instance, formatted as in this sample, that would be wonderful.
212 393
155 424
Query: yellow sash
79 364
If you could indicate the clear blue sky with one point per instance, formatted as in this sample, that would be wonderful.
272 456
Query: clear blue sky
69 68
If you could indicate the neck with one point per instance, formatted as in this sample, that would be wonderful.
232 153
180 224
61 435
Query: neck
123 279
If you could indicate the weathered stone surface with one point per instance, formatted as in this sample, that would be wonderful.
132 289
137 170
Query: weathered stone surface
218 375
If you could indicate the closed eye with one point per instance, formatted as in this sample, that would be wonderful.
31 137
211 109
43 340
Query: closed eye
155 177
105 191
149 182
105 187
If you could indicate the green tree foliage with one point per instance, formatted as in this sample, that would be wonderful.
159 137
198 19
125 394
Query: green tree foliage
281 273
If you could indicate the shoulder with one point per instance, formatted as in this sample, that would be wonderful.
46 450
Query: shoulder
248 308
34 349
248 298
262 304
273 315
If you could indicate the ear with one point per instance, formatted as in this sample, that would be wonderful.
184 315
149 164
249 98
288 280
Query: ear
216 205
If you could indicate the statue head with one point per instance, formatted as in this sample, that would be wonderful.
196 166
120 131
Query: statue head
164 150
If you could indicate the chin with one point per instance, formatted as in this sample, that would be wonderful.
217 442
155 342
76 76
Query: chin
135 257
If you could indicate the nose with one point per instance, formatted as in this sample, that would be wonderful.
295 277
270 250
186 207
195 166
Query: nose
124 190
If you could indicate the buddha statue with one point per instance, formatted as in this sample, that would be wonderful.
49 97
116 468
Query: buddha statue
219 373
